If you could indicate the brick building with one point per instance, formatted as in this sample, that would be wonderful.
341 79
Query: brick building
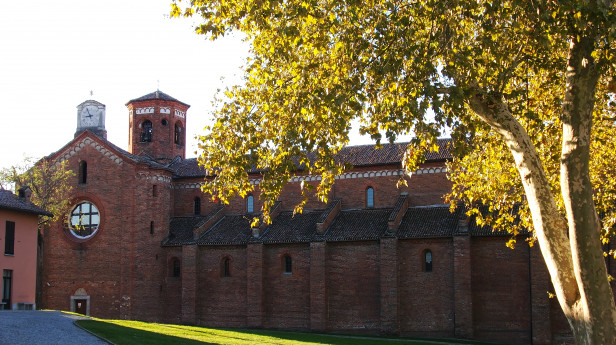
18 236
142 242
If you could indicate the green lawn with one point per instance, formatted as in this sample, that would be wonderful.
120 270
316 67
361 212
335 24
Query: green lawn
123 332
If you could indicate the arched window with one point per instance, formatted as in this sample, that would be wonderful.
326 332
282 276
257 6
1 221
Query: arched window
197 206
146 131
250 204
288 264
83 172
175 267
177 137
226 267
369 197
427 261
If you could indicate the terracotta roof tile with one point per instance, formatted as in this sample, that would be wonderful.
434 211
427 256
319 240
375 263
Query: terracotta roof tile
230 230
434 221
476 230
135 158
156 95
429 222
187 168
286 228
358 225
10 201
359 156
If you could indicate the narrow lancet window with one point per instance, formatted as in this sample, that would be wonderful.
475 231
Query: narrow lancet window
83 172
197 206
250 204
369 197
428 261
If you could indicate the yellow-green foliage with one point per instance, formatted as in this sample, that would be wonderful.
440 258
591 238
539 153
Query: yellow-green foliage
403 67
48 181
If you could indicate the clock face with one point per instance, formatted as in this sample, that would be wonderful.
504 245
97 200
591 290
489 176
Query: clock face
90 115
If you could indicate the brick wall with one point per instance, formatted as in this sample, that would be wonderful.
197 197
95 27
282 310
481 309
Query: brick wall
501 290
171 294
221 301
287 295
426 298
100 265
353 289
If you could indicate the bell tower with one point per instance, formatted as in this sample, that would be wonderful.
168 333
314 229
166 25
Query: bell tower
157 124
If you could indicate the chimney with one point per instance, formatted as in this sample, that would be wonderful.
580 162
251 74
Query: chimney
463 225
25 193
274 211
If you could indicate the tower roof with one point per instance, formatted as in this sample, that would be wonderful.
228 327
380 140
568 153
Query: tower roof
156 95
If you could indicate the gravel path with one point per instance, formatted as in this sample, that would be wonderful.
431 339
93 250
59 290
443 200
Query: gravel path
43 327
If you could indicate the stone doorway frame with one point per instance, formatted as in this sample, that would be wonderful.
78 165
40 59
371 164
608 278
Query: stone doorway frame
80 294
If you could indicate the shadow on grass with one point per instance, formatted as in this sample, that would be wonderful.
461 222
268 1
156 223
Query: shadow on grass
122 335
357 339
299 337
133 333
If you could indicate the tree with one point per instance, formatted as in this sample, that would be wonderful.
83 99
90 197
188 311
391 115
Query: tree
51 190
48 182
527 88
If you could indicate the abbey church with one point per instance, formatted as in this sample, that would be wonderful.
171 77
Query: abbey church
141 241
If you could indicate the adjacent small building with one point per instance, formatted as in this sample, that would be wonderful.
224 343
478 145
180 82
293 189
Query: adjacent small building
18 239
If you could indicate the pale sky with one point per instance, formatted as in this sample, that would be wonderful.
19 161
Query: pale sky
53 53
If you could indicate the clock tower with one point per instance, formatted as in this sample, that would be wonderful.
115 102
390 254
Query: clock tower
91 116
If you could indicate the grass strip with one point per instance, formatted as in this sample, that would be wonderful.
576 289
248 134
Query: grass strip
122 332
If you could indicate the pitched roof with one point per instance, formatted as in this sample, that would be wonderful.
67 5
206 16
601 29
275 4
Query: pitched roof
359 156
485 231
429 222
368 155
358 225
135 158
10 201
187 168
181 230
230 230
434 221
286 228
154 96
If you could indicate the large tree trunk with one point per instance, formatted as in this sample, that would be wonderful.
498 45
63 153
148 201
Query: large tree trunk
575 262
594 315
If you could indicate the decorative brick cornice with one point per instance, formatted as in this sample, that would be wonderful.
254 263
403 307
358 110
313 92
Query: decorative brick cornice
153 177
77 146
192 185
344 176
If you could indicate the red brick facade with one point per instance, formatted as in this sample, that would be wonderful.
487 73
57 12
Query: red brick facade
352 268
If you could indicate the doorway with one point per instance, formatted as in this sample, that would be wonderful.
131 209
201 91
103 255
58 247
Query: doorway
81 306
80 302
7 282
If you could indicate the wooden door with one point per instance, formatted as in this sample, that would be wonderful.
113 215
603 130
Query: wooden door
81 306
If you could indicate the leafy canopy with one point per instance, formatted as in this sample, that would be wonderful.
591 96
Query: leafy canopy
318 65
48 182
